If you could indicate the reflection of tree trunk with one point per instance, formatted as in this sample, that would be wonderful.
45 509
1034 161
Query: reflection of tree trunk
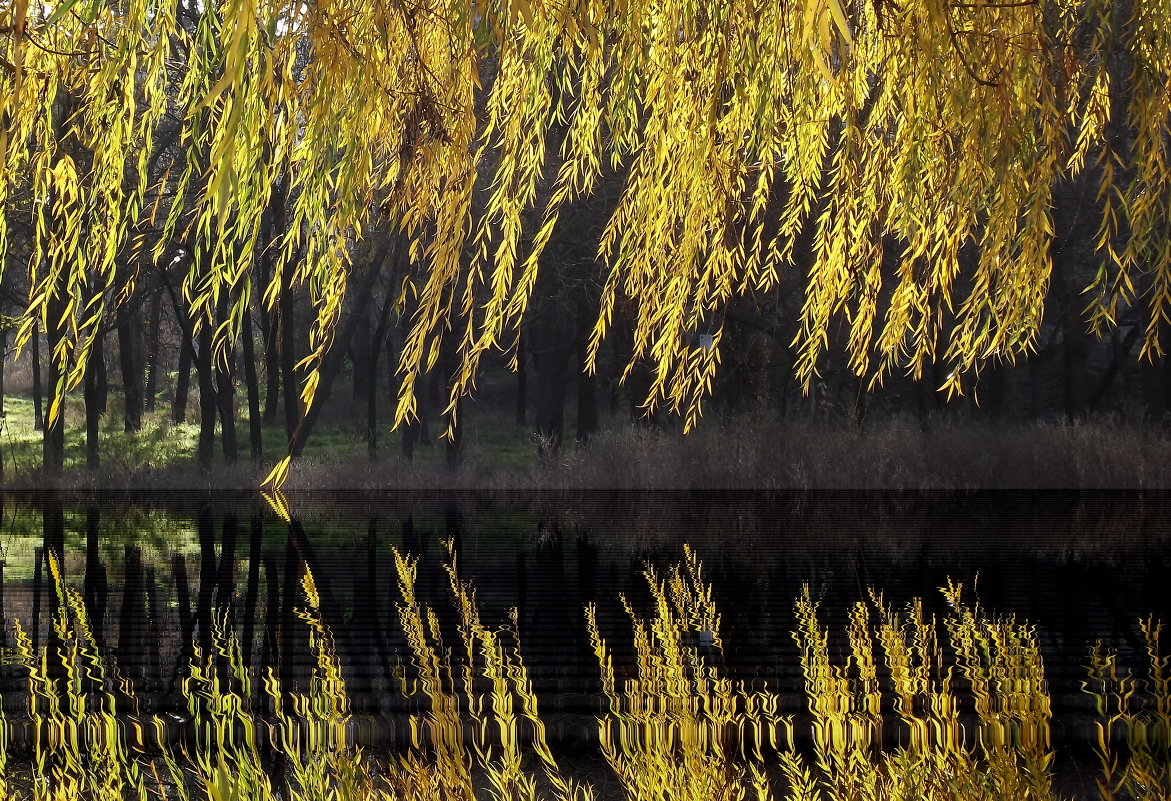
186 624
208 572
95 576
252 589
289 626
226 575
131 637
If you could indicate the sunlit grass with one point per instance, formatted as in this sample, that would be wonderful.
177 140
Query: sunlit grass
901 705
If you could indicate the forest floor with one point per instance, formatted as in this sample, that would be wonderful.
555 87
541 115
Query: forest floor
758 450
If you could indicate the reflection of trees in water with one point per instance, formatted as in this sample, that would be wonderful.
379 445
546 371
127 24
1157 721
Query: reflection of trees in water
148 606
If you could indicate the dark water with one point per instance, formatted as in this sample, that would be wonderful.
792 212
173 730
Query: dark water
155 572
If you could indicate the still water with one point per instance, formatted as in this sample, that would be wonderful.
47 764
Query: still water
156 574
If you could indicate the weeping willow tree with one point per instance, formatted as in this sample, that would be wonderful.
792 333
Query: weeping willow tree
917 144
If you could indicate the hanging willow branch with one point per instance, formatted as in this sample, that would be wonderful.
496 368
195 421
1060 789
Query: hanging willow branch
896 135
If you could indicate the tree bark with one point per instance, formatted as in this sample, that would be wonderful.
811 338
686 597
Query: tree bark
208 408
332 363
38 392
130 359
152 349
587 397
522 381
183 377
255 426
93 403
376 342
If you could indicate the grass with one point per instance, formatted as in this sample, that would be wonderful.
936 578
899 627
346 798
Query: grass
903 707
752 450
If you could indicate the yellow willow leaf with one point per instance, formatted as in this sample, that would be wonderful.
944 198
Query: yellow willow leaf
838 11
276 477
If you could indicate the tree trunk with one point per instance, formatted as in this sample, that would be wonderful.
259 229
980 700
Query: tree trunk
332 363
93 403
208 408
53 441
522 382
550 356
131 362
225 389
38 393
152 349
183 378
255 428
376 342
587 396
288 326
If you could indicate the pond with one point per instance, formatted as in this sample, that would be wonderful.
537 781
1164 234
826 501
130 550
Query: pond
829 635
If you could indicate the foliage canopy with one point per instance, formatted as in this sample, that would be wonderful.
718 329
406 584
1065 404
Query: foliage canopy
904 155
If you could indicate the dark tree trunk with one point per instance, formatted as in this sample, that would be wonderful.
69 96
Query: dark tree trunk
54 433
522 382
332 363
3 361
225 393
38 392
587 397
252 587
131 361
95 586
208 408
550 355
93 402
376 342
255 424
288 325
183 378
152 349
360 354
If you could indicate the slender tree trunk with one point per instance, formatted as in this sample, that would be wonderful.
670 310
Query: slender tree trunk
131 362
587 397
376 342
332 363
522 381
38 392
3 363
225 391
255 427
53 441
288 326
183 378
152 349
208 408
93 411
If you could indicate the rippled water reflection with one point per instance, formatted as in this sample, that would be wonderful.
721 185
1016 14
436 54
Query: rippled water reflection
795 661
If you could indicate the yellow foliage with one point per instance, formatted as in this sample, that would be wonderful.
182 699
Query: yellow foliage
903 134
